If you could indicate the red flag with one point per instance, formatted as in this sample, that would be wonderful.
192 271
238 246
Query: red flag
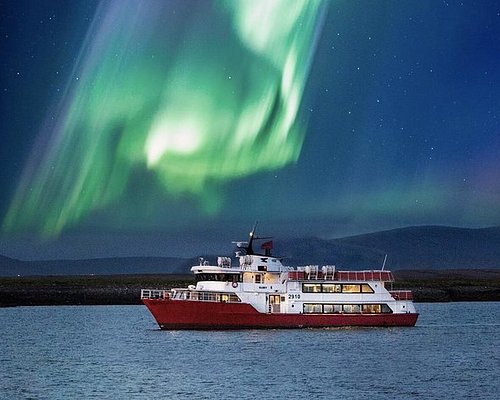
267 245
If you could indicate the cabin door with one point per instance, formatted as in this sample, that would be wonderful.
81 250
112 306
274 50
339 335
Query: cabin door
274 303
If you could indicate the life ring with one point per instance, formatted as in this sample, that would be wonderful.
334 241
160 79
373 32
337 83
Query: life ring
235 284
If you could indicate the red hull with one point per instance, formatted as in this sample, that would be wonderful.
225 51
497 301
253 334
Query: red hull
180 314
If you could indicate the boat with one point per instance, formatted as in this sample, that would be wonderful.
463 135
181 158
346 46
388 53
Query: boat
259 292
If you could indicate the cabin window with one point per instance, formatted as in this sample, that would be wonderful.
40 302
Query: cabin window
328 308
336 288
386 309
376 309
351 308
332 288
351 288
258 278
312 309
366 289
371 308
311 288
218 277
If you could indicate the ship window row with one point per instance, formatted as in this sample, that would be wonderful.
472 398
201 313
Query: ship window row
207 296
218 277
336 288
310 308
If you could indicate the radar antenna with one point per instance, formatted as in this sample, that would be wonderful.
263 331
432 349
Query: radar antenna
251 237
248 246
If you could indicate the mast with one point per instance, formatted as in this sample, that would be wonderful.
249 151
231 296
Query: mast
251 237
248 246
383 265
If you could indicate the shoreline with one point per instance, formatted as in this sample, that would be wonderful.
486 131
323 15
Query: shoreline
126 289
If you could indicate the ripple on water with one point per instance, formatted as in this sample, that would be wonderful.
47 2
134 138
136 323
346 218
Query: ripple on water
118 352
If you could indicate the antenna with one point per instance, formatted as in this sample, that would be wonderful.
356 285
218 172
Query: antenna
383 264
248 246
251 237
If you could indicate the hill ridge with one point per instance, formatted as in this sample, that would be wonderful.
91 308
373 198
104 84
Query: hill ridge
416 247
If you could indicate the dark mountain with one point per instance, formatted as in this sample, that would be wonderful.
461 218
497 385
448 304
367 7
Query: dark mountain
426 247
414 248
328 252
95 266
432 247
9 266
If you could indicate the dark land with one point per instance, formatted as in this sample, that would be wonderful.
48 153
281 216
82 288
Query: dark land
83 290
427 286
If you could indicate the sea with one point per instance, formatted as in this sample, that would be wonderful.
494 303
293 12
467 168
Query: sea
118 352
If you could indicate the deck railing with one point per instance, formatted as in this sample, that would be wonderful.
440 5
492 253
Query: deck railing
191 295
155 294
381 276
401 294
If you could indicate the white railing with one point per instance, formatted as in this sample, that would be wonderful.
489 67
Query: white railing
195 295
401 294
155 294
313 273
191 295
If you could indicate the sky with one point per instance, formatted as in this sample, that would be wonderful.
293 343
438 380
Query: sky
143 127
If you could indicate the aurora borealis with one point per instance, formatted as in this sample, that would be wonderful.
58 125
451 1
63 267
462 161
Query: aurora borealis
153 118
186 112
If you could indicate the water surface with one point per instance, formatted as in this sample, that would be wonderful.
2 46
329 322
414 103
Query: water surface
117 352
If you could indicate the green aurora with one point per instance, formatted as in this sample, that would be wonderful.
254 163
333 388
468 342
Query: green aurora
195 101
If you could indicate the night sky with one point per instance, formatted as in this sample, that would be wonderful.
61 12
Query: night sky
169 127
